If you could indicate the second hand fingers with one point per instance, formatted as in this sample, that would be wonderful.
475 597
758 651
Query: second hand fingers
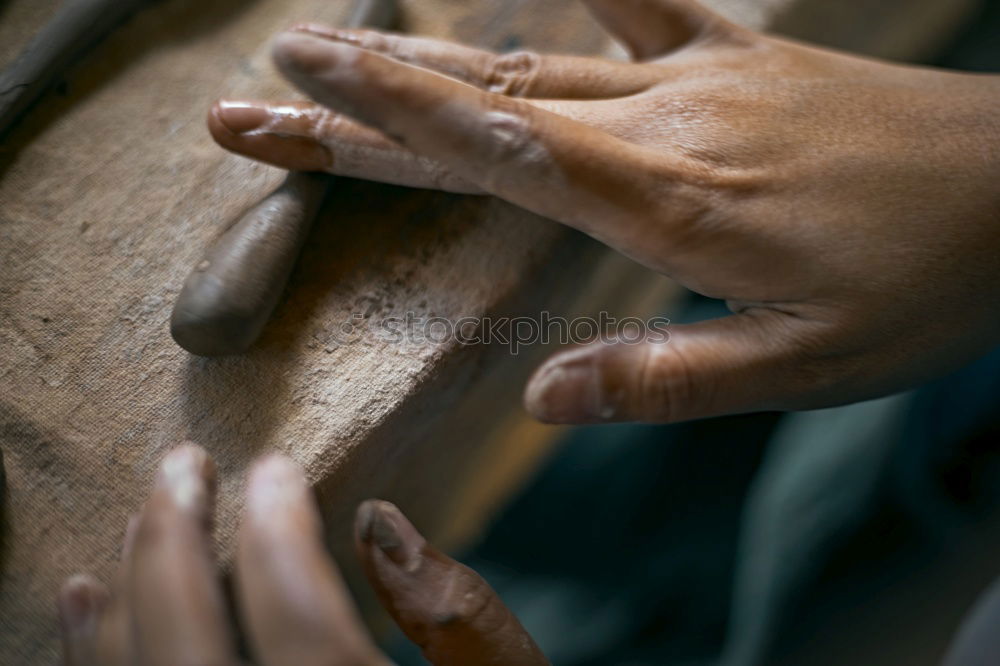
441 605
296 608
177 606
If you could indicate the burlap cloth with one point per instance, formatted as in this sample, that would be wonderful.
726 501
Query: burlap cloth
110 190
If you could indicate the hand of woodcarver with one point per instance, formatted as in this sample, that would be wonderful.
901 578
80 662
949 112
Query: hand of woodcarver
847 210
167 607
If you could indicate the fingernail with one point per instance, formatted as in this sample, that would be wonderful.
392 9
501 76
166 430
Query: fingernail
77 605
275 484
241 117
570 391
187 474
382 524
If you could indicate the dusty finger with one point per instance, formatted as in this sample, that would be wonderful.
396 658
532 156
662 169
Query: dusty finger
442 606
175 598
294 603
518 74
305 136
538 160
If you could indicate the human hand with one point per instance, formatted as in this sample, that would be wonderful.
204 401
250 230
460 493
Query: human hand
167 604
847 210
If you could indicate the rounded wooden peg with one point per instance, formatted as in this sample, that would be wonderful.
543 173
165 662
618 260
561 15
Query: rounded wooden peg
230 295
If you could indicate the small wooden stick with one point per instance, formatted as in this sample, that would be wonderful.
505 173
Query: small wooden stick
231 294
76 27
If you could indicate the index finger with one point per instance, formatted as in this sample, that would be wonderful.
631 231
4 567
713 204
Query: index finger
538 160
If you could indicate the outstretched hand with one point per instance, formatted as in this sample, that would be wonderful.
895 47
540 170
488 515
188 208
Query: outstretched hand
847 210
166 606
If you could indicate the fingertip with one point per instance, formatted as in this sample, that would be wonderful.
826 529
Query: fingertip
190 455
79 602
219 129
537 391
568 389
238 116
364 521
278 134
276 485
216 125
340 76
381 525
188 476
275 467
440 604
294 604
302 53
287 50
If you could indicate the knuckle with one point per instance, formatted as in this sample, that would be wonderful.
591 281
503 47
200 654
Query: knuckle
510 138
470 602
691 216
811 363
512 73
697 206
326 124
668 388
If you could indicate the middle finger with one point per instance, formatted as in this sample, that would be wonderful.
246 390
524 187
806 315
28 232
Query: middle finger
518 74
296 607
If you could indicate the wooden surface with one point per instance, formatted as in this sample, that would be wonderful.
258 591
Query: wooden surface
108 194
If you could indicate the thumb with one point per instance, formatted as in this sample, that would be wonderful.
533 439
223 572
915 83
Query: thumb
652 28
730 365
